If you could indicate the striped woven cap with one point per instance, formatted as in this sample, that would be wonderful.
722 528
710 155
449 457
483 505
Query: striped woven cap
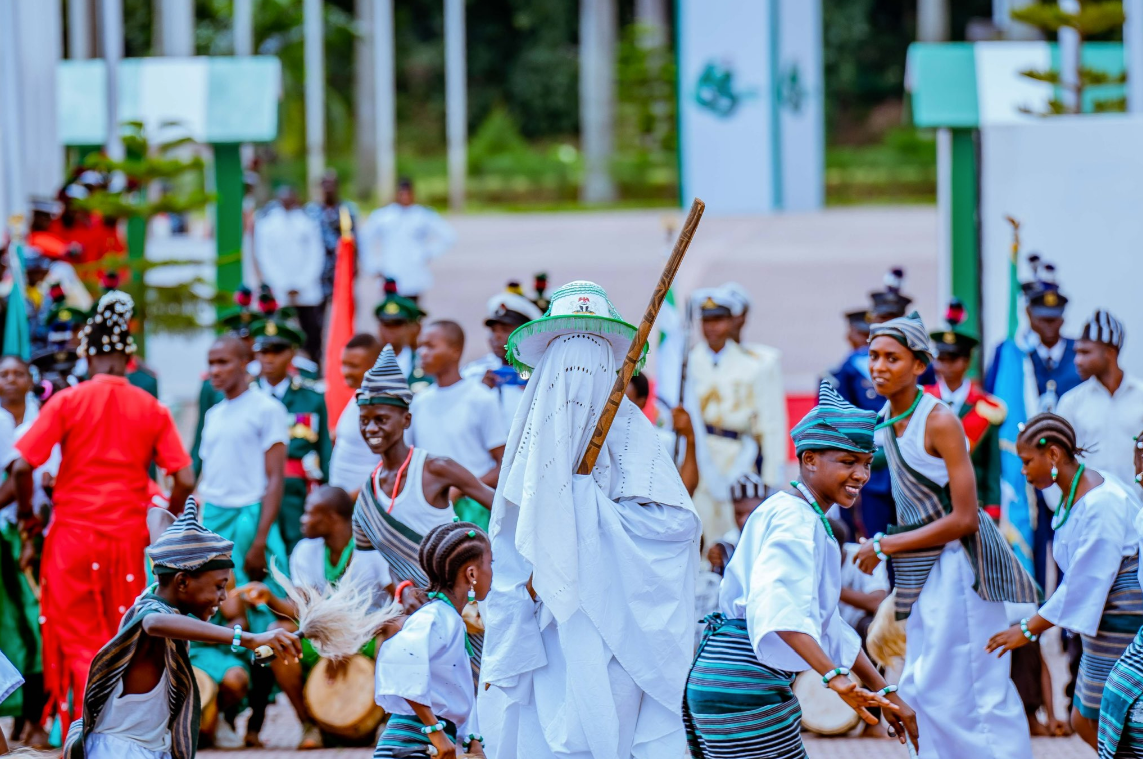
909 331
1104 328
834 424
187 546
385 384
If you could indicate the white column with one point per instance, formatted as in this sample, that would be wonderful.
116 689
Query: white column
654 16
111 37
384 79
1011 30
1133 38
79 29
177 24
39 43
243 27
932 20
1070 47
12 196
598 22
314 34
364 101
456 103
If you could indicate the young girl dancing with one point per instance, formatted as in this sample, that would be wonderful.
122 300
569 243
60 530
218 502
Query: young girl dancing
1121 711
1097 547
424 679
953 568
778 607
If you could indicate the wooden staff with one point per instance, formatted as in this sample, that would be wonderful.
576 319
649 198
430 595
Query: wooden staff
635 352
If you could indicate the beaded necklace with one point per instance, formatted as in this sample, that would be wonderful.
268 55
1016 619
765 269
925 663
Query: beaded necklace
1066 511
906 415
805 491
447 600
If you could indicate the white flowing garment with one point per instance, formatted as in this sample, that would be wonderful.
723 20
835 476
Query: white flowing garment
598 666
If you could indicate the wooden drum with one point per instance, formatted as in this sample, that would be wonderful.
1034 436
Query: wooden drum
344 706
207 693
823 711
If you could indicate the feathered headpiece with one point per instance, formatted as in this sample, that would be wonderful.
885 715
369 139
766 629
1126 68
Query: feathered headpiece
109 330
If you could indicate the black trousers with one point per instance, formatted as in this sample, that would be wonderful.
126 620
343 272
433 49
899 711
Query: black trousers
312 319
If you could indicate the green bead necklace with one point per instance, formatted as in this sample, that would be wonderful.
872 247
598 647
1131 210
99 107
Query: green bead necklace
814 504
1066 511
907 414
447 600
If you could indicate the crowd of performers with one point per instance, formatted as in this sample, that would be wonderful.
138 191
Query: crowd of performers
581 641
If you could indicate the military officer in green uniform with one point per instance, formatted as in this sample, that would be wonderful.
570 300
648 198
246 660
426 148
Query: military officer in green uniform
400 326
276 341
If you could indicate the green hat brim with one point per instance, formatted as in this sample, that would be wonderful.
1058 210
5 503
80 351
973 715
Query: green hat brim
962 342
526 345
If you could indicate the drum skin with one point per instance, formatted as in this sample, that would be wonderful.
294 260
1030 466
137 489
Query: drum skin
344 706
823 711
207 692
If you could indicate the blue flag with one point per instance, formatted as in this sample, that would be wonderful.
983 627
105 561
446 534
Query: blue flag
17 330
1014 501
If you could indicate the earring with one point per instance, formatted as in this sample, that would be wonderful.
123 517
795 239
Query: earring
1139 478
472 593
1055 474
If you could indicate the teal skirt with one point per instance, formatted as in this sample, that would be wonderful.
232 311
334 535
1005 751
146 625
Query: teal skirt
240 526
402 737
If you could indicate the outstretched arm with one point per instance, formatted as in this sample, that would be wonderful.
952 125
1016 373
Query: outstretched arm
451 474
182 627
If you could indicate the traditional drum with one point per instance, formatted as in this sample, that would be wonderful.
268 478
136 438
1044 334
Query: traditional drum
885 639
207 692
823 711
343 705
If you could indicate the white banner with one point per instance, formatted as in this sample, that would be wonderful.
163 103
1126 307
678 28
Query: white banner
751 134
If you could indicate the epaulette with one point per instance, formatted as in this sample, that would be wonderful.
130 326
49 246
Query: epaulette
992 410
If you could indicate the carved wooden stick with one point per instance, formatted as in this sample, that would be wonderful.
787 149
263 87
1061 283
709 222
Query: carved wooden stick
635 352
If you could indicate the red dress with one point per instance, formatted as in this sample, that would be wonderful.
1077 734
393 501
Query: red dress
93 564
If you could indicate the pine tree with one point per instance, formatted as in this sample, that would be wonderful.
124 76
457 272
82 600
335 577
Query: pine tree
1095 17
156 177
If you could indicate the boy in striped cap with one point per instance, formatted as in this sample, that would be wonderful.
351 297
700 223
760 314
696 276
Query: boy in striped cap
1106 409
142 701
779 612
952 566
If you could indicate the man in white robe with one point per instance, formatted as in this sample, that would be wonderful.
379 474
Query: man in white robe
595 666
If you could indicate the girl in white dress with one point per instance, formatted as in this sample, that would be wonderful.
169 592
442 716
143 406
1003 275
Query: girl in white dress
424 677
1097 547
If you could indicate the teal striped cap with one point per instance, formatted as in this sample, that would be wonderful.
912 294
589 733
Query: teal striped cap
909 331
834 424
187 546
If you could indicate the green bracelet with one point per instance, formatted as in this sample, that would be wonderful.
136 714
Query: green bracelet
473 737
1028 633
836 671
877 547
430 729
887 690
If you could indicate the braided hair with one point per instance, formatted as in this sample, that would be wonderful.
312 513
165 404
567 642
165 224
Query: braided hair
1045 429
109 331
447 548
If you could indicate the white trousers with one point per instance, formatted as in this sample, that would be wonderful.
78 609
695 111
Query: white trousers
967 706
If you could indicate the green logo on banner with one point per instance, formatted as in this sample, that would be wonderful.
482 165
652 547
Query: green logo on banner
715 90
791 93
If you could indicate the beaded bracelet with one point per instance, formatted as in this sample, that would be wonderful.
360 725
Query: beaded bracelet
877 547
1028 633
887 690
473 737
828 676
236 643
430 729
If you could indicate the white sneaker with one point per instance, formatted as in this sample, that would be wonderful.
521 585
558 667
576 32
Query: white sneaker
225 736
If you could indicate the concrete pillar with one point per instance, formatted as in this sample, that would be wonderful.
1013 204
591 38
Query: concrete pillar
456 103
365 101
384 79
654 16
932 20
243 27
1133 38
1070 48
112 45
174 21
314 35
79 29
598 28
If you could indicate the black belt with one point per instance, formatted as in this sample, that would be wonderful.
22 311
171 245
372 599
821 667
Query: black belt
720 432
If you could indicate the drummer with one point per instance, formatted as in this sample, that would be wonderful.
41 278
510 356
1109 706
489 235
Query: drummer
325 555
779 606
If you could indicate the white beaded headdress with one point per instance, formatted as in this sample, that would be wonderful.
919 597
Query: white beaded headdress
109 330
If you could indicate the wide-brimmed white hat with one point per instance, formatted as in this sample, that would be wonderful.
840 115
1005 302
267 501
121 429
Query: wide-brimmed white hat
576 308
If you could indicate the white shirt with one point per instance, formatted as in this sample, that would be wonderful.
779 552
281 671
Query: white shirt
278 391
954 399
351 461
1089 548
367 569
509 395
854 579
785 576
461 421
427 663
1050 356
235 437
290 254
10 678
400 241
1106 424
140 718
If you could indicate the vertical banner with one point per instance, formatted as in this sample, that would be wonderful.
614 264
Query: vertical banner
799 90
751 127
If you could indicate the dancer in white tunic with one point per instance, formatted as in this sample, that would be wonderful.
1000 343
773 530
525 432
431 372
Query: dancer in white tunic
952 566
779 607
10 681
595 663
1096 545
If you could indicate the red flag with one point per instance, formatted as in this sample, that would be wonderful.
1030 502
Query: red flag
337 393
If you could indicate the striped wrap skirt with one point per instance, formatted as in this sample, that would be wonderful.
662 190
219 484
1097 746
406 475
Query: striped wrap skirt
402 737
1121 710
735 706
1122 619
